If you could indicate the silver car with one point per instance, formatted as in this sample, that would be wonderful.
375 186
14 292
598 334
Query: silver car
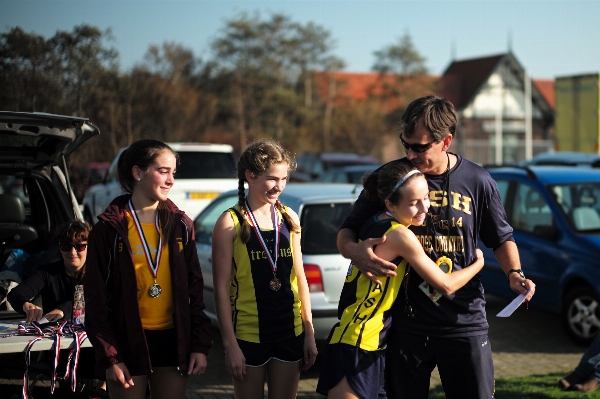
322 208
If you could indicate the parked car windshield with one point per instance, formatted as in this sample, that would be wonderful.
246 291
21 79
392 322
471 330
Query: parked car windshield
206 165
321 224
580 202
204 224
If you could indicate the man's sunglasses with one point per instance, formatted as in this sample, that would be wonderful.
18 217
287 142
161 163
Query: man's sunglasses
418 148
68 247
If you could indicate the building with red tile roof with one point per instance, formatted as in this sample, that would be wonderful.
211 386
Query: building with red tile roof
489 92
483 90
546 88
364 86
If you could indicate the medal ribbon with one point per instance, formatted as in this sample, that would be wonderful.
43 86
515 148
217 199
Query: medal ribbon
54 332
73 360
55 362
272 258
138 228
25 391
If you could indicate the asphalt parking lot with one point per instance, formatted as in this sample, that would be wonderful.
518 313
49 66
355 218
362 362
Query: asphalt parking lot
531 341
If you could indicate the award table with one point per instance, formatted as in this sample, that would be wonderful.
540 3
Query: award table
17 343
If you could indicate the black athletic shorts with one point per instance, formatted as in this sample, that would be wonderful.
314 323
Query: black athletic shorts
364 370
162 345
287 350
464 364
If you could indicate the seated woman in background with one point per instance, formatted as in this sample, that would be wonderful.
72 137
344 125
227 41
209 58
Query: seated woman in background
55 282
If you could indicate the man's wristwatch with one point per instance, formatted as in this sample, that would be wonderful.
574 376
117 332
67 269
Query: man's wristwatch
518 271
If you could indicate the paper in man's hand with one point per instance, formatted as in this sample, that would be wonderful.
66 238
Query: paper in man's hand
511 307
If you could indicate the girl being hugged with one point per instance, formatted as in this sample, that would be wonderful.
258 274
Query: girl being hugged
261 294
354 359
143 286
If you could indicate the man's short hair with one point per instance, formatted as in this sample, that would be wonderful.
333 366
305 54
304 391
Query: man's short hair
439 116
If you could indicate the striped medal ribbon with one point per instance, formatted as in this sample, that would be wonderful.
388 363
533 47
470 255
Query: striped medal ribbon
155 290
275 284
54 331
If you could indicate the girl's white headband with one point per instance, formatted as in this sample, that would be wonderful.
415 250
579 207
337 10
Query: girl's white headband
401 181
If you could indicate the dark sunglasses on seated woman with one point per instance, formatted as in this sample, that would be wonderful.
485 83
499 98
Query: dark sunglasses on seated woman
419 148
68 247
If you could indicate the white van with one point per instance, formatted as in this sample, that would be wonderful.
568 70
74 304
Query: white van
205 171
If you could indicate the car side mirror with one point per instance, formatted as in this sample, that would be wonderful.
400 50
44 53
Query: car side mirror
546 232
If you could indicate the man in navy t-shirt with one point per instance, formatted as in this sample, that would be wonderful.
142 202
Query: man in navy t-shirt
428 328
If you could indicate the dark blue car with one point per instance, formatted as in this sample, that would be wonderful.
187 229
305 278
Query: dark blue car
555 214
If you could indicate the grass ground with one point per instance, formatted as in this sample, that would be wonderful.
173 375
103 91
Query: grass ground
531 387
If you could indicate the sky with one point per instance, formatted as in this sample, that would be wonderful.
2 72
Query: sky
549 38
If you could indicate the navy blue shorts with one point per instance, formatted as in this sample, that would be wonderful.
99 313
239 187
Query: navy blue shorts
464 363
287 350
162 345
364 370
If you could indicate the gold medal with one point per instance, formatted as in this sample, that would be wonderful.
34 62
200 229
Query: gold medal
275 284
154 291
445 264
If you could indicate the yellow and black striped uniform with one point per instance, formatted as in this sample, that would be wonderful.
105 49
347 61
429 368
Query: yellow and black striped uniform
260 314
365 308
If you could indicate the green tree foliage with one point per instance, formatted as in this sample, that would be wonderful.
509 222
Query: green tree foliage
266 77
312 52
401 58
264 60
27 72
82 62
403 76
168 105
72 73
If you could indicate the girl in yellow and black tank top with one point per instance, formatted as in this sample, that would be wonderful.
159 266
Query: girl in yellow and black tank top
353 362
364 307
261 294
260 314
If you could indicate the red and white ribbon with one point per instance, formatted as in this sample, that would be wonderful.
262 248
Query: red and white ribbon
271 257
54 332
138 228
